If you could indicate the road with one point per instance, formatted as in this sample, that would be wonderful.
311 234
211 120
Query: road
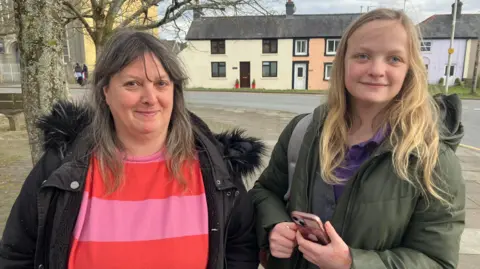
297 103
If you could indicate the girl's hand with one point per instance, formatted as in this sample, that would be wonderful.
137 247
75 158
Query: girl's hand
335 255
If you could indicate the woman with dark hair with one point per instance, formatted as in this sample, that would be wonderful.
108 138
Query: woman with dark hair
135 180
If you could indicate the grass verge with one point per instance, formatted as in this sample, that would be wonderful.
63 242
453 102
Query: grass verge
463 92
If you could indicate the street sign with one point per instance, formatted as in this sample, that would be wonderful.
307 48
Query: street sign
450 51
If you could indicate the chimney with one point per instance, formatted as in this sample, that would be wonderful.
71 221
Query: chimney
197 13
290 7
459 9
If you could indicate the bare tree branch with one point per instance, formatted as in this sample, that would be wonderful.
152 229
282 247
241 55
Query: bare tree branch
113 11
143 9
94 4
257 7
81 18
176 10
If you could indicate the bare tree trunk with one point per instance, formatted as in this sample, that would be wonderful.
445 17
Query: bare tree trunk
98 49
40 35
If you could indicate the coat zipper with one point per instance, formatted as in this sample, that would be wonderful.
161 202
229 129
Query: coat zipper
227 223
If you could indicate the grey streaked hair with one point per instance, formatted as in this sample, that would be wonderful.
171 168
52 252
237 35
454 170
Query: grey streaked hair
121 49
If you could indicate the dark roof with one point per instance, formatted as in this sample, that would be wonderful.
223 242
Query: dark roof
281 26
440 26
174 45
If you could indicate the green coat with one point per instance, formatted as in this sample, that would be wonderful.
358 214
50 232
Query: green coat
383 219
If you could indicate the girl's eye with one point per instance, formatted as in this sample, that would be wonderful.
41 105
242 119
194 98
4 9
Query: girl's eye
362 56
395 59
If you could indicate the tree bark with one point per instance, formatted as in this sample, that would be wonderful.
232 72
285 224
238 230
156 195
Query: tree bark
40 36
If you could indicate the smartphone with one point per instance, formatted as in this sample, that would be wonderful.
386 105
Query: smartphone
311 227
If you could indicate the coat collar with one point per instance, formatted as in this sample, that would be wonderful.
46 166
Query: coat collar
233 155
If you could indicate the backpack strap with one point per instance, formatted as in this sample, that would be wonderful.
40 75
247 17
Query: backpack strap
294 146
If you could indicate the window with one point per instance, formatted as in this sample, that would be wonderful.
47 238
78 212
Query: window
219 70
452 70
300 72
327 71
269 69
270 46
332 45
425 46
301 47
217 46
2 47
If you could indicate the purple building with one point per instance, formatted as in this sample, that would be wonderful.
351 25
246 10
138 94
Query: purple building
436 32
435 57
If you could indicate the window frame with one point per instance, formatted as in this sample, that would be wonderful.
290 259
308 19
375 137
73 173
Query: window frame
271 49
219 75
270 73
218 48
424 47
452 67
325 65
336 42
295 47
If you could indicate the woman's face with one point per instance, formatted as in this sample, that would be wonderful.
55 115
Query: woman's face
376 62
140 98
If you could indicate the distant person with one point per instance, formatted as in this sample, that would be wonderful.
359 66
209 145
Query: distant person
78 74
377 163
85 73
135 180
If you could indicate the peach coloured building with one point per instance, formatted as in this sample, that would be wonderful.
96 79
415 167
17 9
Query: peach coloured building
316 55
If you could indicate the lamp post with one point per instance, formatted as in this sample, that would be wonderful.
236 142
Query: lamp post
451 50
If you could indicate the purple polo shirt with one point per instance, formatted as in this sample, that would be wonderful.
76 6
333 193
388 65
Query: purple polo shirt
355 157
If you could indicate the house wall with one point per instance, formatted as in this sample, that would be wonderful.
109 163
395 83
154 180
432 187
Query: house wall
470 58
197 60
316 58
437 59
75 43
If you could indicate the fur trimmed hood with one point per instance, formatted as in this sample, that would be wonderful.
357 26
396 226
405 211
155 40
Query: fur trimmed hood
61 127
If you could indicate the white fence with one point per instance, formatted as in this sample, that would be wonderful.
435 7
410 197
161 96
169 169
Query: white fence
9 73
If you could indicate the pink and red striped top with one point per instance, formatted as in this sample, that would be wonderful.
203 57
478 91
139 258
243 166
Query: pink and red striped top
151 221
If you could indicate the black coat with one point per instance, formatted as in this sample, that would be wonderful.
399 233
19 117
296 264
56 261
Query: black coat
39 230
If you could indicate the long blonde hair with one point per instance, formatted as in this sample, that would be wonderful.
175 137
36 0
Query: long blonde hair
412 115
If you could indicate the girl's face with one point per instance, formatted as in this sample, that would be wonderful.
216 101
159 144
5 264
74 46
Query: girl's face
376 62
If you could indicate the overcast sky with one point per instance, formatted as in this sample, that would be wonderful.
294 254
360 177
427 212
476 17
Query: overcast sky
418 10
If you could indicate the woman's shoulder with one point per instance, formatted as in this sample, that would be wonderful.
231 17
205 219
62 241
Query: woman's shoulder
64 127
